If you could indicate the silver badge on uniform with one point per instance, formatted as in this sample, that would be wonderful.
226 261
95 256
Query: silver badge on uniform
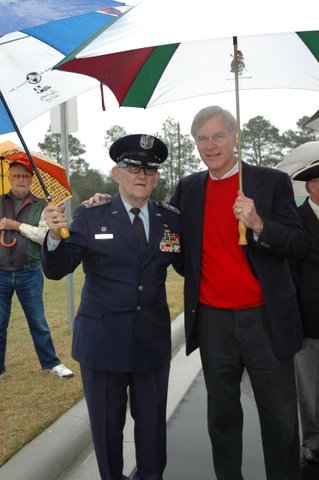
147 142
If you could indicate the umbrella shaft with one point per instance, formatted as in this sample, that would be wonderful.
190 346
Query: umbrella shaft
36 170
238 116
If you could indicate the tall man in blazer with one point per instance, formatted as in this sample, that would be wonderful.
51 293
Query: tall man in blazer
241 308
122 329
306 274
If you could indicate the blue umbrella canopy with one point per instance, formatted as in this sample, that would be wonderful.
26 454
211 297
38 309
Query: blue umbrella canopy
17 15
27 83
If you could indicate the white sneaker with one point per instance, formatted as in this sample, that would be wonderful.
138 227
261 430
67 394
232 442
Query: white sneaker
1 376
61 371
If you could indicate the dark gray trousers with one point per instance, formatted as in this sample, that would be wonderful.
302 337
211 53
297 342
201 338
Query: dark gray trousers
229 341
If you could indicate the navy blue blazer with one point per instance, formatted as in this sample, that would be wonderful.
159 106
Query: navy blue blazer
123 321
282 237
307 273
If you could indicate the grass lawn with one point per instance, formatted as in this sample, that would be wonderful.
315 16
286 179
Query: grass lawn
30 398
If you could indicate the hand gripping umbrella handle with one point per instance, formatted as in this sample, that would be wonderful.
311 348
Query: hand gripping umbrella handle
64 232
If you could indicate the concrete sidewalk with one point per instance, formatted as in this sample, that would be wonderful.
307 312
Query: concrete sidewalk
64 451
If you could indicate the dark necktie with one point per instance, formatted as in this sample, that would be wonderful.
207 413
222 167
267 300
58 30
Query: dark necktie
139 229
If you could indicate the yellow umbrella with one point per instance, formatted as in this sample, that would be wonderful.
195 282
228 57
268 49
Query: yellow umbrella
52 173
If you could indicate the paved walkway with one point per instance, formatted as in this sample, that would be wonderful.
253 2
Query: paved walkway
189 452
64 451
188 438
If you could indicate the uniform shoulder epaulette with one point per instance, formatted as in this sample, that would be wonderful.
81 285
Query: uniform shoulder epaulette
169 207
105 201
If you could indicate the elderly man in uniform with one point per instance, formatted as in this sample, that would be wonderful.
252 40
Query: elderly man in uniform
122 328
306 274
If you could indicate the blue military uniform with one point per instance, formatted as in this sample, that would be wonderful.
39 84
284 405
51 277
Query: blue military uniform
123 322
122 328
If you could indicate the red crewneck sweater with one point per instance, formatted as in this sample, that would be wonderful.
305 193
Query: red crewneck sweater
226 278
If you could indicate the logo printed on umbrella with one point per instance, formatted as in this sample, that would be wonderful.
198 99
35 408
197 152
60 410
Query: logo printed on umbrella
34 77
240 63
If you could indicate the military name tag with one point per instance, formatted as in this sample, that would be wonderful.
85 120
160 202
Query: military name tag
103 236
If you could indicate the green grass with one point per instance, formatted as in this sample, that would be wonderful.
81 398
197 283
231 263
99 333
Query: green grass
30 398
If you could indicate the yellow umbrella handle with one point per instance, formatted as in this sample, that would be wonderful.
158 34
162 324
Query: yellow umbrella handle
242 233
64 232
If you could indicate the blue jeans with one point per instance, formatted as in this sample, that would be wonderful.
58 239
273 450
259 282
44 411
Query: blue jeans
28 285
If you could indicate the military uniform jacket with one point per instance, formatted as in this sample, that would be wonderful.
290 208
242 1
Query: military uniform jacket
123 322
282 238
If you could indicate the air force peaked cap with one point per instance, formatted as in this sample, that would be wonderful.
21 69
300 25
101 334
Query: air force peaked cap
139 149
307 173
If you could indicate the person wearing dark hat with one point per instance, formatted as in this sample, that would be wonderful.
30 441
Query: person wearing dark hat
306 274
122 328
22 231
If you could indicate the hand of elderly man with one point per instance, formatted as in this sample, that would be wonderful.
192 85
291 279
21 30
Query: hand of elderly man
54 217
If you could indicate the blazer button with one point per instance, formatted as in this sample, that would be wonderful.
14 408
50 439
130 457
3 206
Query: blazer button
141 288
139 308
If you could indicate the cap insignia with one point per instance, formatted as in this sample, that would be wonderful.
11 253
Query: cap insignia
147 142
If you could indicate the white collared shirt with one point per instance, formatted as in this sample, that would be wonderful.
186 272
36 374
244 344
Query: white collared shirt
228 174
314 207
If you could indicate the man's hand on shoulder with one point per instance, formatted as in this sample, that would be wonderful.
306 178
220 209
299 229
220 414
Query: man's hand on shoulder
97 199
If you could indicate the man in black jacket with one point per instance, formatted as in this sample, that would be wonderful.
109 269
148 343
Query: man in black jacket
241 305
307 279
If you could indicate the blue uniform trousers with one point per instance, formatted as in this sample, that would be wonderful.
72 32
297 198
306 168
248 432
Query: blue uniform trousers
106 396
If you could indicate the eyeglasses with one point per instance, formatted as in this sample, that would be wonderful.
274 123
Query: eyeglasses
17 176
135 169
